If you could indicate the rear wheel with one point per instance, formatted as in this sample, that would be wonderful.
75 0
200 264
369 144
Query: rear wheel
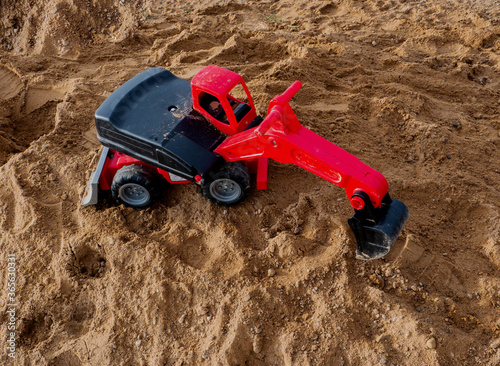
135 186
229 186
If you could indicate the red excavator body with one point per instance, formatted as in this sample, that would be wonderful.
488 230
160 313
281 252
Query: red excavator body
221 163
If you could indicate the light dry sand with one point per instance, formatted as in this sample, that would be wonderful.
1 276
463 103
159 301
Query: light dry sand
411 88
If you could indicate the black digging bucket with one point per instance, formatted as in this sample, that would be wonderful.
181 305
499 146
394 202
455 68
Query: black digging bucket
376 230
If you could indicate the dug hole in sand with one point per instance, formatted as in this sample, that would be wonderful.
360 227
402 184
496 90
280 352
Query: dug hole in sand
411 88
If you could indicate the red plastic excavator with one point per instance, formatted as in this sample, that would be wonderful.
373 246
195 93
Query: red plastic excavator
157 127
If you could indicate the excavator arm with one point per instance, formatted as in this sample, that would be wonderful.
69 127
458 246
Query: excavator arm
378 219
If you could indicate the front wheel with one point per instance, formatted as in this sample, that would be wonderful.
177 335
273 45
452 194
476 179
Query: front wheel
229 186
135 186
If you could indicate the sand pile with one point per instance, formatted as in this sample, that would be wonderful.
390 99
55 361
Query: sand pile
411 88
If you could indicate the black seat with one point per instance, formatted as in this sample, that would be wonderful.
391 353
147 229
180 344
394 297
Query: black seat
241 110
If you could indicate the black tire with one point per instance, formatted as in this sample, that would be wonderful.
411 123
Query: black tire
229 186
135 186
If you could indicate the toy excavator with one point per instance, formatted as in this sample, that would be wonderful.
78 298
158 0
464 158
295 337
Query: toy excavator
157 127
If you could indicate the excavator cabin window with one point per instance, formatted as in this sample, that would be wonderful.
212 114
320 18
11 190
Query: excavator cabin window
239 102
213 106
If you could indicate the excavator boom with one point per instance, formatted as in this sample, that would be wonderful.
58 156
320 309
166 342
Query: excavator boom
378 219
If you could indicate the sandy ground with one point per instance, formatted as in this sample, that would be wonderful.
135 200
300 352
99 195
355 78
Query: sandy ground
411 88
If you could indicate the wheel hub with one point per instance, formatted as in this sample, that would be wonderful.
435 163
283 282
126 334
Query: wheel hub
134 194
225 190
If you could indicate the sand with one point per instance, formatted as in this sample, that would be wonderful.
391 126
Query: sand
411 88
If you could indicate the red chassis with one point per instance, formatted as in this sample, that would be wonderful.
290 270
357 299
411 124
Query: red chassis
116 160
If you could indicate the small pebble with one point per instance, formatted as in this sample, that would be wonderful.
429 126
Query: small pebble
271 272
374 43
258 344
248 298
380 338
495 344
431 343
138 343
296 231
258 331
